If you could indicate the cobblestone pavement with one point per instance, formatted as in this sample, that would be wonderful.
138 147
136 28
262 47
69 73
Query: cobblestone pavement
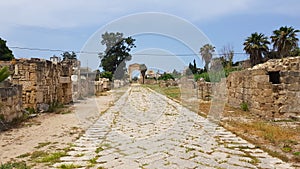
144 129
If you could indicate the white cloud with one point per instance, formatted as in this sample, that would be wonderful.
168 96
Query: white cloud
64 14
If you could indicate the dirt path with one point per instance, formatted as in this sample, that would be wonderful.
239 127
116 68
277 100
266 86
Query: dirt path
50 132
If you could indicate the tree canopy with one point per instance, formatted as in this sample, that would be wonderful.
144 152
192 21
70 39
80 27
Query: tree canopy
5 53
143 69
284 41
116 53
69 56
206 52
256 46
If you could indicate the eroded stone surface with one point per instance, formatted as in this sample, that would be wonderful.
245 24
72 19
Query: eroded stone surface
147 130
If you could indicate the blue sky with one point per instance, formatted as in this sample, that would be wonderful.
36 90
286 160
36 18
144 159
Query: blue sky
69 25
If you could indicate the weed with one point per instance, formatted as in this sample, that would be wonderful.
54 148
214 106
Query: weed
68 166
98 150
2 117
276 154
66 112
79 155
30 110
297 153
24 155
50 158
37 154
14 165
244 106
100 167
54 106
188 149
286 148
42 145
93 160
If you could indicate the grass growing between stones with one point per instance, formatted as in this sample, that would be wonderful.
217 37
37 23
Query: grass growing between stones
45 157
278 140
14 165
40 145
171 92
68 166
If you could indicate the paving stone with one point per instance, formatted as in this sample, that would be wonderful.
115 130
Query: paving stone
144 129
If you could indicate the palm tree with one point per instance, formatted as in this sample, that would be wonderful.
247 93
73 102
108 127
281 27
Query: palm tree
206 52
256 46
284 40
143 69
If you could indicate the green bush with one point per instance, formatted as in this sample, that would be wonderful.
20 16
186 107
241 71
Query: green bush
166 76
214 76
204 75
244 106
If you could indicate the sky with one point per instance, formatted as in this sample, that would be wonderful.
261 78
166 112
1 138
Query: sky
168 33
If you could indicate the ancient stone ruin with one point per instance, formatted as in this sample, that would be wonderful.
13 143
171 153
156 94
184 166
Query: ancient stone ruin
11 102
43 82
271 90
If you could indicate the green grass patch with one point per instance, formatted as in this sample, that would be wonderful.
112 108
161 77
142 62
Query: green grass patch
52 158
79 155
40 145
98 150
286 149
24 155
14 165
37 154
93 160
244 106
171 91
297 153
68 166
45 157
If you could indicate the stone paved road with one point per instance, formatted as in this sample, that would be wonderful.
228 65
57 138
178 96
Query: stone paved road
147 130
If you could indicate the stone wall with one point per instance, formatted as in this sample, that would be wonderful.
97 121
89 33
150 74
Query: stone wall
103 84
43 82
271 90
204 90
10 102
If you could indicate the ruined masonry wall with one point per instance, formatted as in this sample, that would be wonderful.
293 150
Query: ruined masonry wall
43 82
264 94
10 102
271 89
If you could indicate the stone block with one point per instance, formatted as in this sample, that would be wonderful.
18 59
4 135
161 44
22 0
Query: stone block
267 92
261 78
293 87
256 72
64 79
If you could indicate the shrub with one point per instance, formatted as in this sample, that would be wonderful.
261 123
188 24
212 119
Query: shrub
244 106
166 76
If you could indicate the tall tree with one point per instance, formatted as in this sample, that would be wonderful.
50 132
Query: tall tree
5 53
193 67
284 40
256 46
116 53
143 69
69 56
206 52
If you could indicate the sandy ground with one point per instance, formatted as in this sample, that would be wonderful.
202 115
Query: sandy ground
50 131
